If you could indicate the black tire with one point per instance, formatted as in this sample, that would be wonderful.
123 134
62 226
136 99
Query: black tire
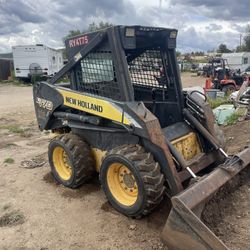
147 175
79 159
228 89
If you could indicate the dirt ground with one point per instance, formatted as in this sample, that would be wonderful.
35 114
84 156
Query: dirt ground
231 221
37 213
192 80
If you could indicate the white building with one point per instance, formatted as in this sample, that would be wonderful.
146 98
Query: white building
237 60
36 60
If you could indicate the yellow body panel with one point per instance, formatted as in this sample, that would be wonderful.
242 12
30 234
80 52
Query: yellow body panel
98 156
188 146
93 105
120 179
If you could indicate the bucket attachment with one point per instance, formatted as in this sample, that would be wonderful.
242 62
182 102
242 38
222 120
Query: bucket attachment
184 228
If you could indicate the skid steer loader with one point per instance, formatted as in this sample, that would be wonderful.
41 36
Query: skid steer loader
124 114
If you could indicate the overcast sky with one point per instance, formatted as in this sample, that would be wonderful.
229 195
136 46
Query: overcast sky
202 24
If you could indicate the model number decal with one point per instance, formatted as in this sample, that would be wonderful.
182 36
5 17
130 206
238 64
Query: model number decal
42 103
84 104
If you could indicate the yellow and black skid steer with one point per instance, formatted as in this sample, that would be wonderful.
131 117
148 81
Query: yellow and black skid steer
124 114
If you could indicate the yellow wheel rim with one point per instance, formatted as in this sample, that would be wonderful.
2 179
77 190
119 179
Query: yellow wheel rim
61 163
122 184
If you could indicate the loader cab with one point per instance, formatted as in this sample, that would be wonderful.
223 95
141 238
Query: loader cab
132 63
153 71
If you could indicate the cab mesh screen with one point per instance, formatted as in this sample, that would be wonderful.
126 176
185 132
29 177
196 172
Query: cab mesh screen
97 75
147 69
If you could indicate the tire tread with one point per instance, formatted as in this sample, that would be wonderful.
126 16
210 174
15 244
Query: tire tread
150 172
80 152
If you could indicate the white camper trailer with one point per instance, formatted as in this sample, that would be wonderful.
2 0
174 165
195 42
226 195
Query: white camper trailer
237 60
36 60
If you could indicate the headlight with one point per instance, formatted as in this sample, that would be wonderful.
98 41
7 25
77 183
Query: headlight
173 34
130 32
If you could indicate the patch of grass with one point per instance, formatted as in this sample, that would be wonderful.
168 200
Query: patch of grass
21 84
204 60
11 219
63 80
232 119
214 103
14 129
9 160
5 82
11 144
16 82
13 76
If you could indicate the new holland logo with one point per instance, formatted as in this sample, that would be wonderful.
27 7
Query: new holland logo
84 104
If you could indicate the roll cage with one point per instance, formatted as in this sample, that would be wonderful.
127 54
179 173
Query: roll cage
126 64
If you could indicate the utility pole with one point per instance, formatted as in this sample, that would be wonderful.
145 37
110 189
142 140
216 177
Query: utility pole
240 39
160 3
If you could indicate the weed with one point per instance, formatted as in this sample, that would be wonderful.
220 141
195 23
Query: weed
214 103
15 82
9 160
11 219
232 119
21 84
14 129
11 144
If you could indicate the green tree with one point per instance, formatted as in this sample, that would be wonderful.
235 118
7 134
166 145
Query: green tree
101 25
223 49
199 53
178 53
72 33
92 27
245 46
241 48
